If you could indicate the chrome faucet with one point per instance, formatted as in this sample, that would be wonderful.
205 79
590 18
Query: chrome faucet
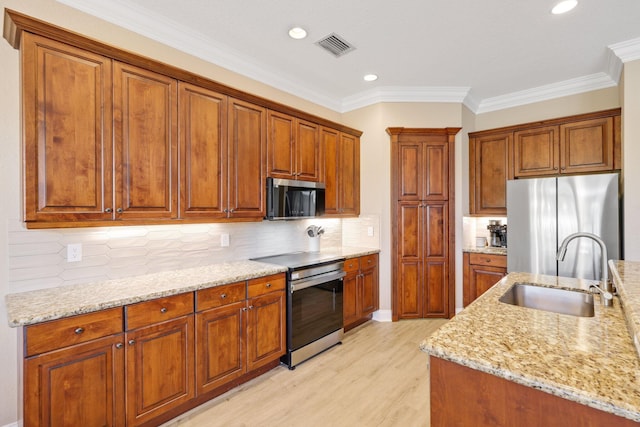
607 288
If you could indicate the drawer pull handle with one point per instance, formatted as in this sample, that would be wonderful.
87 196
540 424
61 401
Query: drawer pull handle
119 345
223 296
78 331
268 285
163 310
132 342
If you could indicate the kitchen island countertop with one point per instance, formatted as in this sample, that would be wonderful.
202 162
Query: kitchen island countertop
589 360
26 308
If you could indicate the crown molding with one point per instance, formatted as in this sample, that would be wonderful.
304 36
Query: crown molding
404 94
546 92
627 50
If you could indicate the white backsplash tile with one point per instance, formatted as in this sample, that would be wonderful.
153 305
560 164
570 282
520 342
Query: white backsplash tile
37 258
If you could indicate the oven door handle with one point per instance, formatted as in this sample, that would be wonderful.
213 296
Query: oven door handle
317 280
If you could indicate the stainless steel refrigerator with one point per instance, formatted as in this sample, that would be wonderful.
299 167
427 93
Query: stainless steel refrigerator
541 212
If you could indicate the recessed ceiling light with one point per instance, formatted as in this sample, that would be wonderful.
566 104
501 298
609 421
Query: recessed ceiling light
370 77
297 33
564 6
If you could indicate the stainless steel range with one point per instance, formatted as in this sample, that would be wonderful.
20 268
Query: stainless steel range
314 303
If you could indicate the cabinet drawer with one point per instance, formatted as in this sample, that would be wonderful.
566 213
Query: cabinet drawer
72 330
158 310
264 285
351 264
368 261
485 259
220 295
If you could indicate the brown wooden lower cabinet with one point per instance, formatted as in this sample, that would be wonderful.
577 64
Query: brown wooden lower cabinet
480 272
149 362
360 290
462 396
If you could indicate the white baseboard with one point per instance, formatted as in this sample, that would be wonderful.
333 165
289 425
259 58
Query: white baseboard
382 316
11 425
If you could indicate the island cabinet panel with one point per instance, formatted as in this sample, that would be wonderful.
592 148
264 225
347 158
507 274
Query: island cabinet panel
145 135
246 153
341 172
203 152
360 290
67 115
461 396
79 385
488 173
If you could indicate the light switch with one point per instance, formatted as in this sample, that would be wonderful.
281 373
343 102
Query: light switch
370 231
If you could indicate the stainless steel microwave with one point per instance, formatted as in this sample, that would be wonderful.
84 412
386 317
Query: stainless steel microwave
290 199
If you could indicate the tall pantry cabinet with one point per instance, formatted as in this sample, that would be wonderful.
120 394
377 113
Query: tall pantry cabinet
422 187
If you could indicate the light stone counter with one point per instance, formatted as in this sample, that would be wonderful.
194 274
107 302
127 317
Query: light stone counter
591 361
490 250
47 304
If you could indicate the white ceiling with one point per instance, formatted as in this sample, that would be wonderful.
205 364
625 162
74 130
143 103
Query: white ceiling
489 54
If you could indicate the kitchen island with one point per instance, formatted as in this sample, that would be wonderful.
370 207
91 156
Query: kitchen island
500 364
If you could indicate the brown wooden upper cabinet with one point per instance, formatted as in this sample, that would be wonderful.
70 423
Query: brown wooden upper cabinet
145 118
67 104
113 138
585 143
341 172
293 148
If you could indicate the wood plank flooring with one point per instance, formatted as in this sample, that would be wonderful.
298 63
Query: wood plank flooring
377 377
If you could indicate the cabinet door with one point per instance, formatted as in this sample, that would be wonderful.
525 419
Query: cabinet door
266 323
587 146
281 161
536 151
160 368
220 342
349 175
436 271
145 123
67 132
482 278
435 174
488 173
81 385
410 250
203 152
410 165
330 140
246 157
307 151
369 285
350 309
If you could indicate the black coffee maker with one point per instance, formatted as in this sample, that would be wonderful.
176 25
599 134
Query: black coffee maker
498 234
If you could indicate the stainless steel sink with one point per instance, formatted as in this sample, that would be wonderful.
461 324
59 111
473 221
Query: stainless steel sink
560 301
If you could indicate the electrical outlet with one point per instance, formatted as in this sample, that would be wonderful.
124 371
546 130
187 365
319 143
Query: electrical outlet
370 231
224 240
74 252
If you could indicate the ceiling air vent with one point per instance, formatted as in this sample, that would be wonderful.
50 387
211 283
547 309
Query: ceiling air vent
335 44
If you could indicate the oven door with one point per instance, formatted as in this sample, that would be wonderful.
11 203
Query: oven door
315 308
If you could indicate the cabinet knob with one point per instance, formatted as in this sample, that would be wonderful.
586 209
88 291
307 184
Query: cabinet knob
231 210
119 345
132 342
163 310
78 331
119 210
250 307
268 285
226 211
108 210
223 296
244 308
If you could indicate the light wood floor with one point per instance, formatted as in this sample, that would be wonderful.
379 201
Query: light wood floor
377 377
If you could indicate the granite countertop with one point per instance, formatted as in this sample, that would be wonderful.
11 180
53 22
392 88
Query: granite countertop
589 360
32 307
490 250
